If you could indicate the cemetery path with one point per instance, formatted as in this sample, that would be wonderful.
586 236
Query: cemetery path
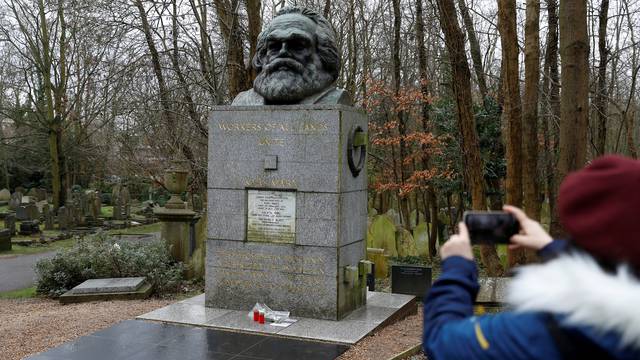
17 272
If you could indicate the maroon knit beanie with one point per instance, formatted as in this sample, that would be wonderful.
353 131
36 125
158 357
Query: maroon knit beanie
599 206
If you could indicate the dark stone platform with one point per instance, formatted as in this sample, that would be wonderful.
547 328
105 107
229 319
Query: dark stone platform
146 340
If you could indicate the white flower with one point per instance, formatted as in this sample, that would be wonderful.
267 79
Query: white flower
116 246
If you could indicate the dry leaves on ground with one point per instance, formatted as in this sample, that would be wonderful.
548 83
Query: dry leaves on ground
388 341
34 325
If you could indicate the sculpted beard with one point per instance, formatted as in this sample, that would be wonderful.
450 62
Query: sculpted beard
287 80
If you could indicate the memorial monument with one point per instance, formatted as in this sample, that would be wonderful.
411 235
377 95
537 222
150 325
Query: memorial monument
287 186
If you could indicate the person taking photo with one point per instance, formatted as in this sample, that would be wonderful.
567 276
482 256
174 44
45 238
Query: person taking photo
583 302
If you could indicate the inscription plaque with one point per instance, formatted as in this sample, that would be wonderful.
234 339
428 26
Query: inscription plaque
271 216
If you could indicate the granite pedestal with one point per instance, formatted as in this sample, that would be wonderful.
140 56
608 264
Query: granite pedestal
287 209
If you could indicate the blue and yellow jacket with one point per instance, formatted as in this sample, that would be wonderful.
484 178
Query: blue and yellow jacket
566 308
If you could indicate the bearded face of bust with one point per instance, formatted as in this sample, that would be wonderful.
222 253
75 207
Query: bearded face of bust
296 57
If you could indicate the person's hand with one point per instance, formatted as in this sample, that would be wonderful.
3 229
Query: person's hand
532 235
458 244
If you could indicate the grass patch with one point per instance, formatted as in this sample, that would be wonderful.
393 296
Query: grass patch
19 294
142 229
106 211
4 208
37 249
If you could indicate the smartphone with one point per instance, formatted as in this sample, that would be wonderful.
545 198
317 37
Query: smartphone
490 227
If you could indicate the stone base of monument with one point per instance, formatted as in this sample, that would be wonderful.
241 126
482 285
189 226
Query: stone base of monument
108 289
184 231
381 309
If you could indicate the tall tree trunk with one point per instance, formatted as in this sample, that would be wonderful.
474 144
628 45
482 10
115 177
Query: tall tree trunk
231 29
53 121
474 45
255 25
553 115
601 91
511 111
530 109
353 50
402 125
461 86
431 197
574 100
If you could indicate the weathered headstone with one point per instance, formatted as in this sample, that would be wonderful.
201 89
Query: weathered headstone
410 279
125 199
5 240
29 227
21 213
48 217
117 210
382 235
32 211
379 259
41 194
10 223
492 290
405 242
5 195
197 203
63 219
96 208
16 200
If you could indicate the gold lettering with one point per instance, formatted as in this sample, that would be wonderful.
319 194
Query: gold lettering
265 141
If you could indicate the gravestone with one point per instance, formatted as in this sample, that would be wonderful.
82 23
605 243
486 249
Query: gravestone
108 289
117 210
32 212
22 214
115 202
48 217
10 223
410 279
29 227
197 203
492 290
5 195
41 194
20 189
125 201
95 204
16 201
5 240
63 219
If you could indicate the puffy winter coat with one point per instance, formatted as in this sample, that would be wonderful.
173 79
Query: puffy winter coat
566 308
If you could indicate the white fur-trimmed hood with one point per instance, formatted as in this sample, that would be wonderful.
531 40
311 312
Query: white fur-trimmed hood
575 285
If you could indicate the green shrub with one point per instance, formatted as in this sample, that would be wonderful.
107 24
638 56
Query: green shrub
100 256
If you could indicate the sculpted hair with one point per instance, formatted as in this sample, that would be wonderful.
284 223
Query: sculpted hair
325 40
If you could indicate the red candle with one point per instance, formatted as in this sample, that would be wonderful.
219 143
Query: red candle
256 315
261 317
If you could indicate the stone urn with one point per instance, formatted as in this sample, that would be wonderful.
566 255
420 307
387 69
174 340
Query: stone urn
175 180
